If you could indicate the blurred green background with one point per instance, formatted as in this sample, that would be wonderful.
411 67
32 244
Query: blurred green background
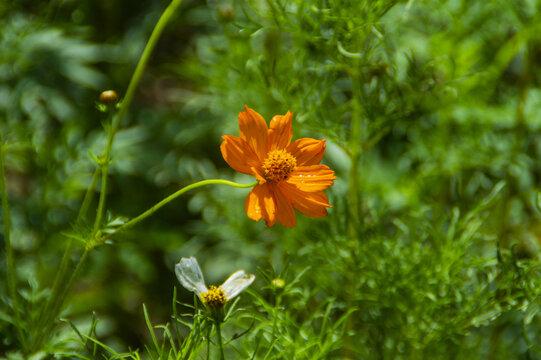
431 111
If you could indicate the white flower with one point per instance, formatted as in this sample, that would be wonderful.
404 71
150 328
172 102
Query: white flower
191 277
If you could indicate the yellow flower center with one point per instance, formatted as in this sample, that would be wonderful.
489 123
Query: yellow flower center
214 296
278 165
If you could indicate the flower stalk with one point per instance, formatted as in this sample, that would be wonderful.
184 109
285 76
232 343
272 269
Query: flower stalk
126 102
220 340
356 146
172 197
60 288
88 196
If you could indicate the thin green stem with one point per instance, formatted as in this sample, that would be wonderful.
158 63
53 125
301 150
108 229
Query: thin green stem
356 146
208 342
56 289
104 167
49 312
126 102
83 210
172 197
136 78
7 240
220 341
57 304
277 301
75 273
59 281
59 294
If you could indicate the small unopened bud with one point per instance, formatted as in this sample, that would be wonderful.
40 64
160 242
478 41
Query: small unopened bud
278 283
108 97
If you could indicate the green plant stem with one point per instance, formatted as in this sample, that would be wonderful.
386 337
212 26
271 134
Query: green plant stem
49 313
57 284
60 276
356 146
56 306
7 239
172 197
220 340
208 342
59 294
74 275
104 167
83 210
59 280
126 102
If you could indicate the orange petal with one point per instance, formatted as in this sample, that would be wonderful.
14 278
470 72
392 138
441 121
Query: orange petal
312 178
252 205
307 151
239 155
284 209
280 132
260 204
311 204
253 129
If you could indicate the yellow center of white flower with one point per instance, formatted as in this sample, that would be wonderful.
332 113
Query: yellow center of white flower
214 296
278 165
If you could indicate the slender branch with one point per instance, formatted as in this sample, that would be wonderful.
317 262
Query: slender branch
73 276
45 316
208 343
355 143
126 102
7 240
104 166
48 312
172 197
54 305
136 78
86 201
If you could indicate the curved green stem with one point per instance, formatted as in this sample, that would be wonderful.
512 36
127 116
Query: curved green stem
136 78
57 299
172 197
7 239
126 102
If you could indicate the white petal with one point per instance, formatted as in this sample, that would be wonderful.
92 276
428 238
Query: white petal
190 276
236 283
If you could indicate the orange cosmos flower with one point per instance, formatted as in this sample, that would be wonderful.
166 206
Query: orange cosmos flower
288 173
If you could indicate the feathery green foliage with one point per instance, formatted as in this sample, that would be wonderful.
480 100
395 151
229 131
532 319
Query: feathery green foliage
430 108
